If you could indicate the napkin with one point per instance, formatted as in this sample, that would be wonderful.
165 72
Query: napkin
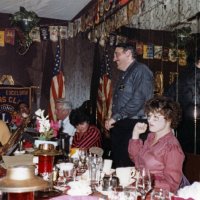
85 176
11 161
79 188
190 192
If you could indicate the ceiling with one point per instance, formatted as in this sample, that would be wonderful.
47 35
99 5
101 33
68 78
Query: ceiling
55 9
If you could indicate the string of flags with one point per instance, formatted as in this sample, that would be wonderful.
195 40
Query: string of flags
147 51
98 21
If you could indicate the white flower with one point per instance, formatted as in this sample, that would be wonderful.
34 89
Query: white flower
39 113
44 125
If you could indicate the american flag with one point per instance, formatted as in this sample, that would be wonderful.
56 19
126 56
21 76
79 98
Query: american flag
57 89
104 98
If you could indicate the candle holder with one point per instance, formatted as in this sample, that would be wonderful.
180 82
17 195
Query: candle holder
46 153
20 183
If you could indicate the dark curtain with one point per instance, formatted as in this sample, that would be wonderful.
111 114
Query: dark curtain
47 75
95 83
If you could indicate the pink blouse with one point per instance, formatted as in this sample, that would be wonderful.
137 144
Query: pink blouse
164 159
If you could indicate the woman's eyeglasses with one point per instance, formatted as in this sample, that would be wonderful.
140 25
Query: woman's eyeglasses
155 117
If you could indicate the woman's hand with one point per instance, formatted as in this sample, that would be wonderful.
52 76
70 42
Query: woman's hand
138 129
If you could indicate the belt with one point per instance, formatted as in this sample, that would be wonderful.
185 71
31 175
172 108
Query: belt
139 117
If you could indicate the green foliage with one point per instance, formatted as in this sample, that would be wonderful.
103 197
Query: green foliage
24 19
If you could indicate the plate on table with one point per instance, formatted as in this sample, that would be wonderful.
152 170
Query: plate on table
79 188
104 192
47 193
17 153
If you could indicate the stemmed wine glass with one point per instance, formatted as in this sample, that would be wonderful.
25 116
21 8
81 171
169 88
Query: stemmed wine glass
143 182
83 157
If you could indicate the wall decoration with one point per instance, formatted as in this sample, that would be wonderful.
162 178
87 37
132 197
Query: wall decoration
148 51
172 55
44 33
157 52
10 98
10 36
2 38
158 83
172 77
165 55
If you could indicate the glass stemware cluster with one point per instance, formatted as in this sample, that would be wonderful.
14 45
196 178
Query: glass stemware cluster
143 182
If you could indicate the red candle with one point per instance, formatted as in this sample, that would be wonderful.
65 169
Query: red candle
21 196
45 164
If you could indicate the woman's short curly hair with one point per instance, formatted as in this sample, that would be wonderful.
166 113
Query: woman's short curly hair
170 109
78 116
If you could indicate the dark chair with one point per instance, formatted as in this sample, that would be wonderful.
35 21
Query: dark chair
191 167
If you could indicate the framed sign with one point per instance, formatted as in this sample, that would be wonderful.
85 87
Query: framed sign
10 96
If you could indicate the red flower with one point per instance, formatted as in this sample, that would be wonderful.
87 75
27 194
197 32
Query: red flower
55 126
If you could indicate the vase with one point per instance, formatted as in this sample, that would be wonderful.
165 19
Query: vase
38 142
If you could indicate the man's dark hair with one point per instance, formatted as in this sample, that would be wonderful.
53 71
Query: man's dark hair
22 102
126 47
78 116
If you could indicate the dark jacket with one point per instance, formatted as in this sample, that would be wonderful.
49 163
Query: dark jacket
133 89
188 93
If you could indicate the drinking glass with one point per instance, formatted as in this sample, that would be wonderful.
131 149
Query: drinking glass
143 182
160 194
83 158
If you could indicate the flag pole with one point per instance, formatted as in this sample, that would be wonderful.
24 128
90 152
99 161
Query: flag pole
60 45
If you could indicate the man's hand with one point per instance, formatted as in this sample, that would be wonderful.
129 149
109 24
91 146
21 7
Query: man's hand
109 123
138 129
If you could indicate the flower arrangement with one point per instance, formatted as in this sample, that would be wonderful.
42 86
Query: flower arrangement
47 128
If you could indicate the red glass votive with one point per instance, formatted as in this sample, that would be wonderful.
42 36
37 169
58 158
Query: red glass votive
45 164
21 196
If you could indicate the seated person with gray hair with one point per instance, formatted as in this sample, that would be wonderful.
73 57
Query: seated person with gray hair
62 110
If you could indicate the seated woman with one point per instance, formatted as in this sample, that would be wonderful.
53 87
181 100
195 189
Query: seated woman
4 133
86 135
161 153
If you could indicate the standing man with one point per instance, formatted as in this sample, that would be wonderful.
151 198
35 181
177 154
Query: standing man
133 89
67 131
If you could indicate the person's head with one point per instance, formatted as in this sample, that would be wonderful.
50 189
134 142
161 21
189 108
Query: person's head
23 109
62 108
197 59
124 55
162 114
80 120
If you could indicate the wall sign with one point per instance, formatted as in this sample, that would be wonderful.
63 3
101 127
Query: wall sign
10 98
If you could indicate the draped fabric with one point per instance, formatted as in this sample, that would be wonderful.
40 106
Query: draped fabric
57 89
104 98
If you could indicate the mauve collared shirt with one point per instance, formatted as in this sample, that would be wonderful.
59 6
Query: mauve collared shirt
164 159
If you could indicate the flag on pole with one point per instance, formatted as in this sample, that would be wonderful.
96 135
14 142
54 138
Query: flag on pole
104 98
57 89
